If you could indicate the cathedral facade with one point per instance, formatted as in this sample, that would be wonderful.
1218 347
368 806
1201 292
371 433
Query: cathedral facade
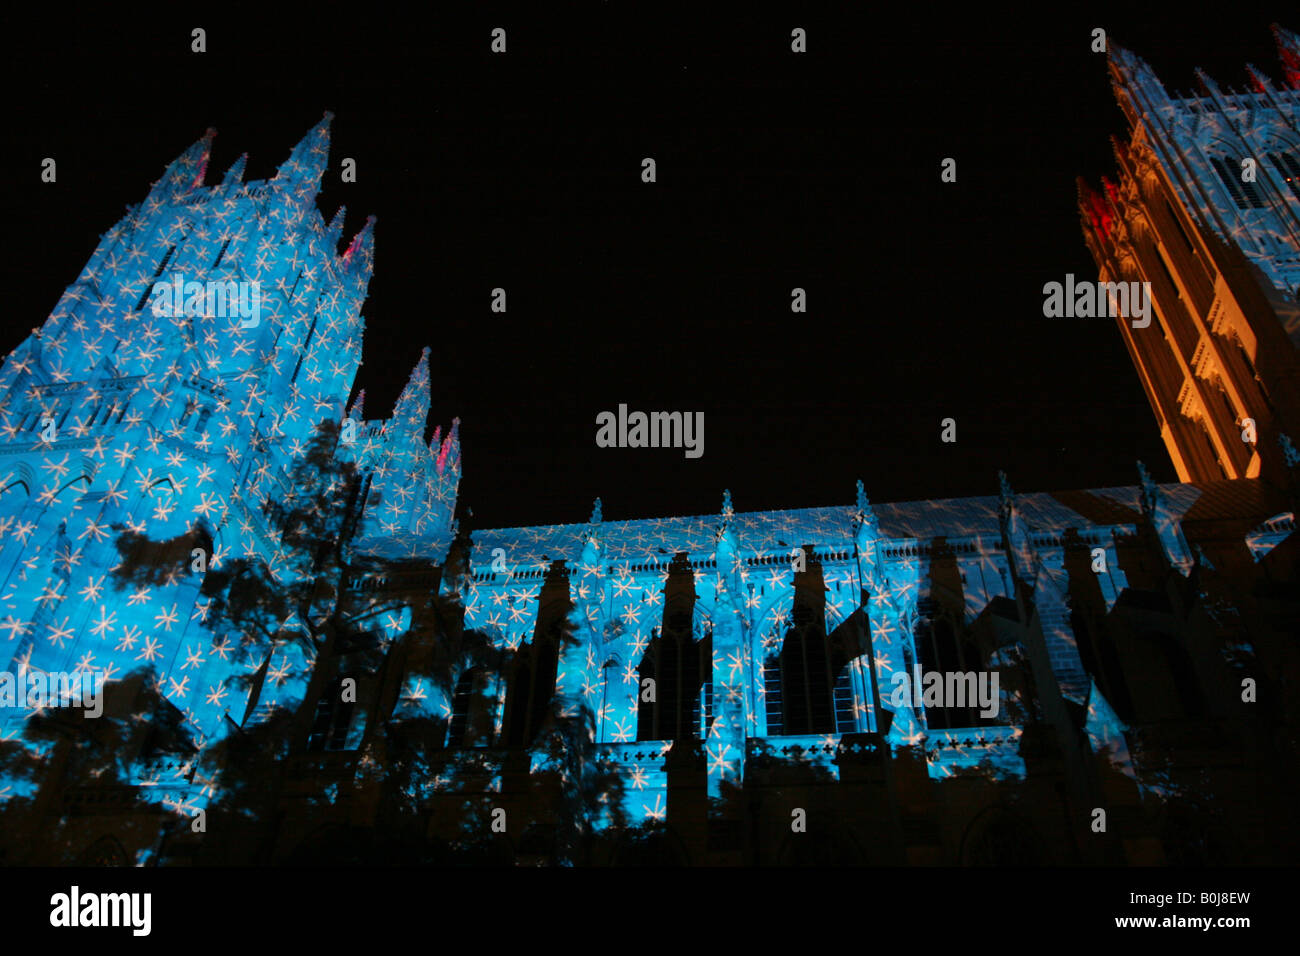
303 657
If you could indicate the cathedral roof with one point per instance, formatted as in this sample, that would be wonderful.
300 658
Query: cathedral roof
831 527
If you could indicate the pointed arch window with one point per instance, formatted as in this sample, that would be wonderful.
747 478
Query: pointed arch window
807 687
682 671
1225 400
220 255
1178 223
944 648
472 709
1245 195
704 707
202 422
845 706
334 718
531 686
148 288
773 701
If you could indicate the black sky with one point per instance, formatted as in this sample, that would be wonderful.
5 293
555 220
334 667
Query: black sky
775 170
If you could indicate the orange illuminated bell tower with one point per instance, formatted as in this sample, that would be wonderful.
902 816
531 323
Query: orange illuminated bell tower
1206 208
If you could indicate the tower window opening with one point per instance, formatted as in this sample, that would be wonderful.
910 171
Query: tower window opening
148 288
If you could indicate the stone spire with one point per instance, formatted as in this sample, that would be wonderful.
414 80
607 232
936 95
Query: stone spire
186 171
411 412
306 163
359 260
335 230
235 174
1288 51
300 175
448 461
357 408
866 537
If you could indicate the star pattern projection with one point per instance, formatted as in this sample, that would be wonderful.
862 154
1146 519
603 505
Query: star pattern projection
122 418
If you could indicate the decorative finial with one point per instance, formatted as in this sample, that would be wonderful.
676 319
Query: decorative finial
1201 559
864 519
1004 485
1289 452
1149 489
595 513
727 510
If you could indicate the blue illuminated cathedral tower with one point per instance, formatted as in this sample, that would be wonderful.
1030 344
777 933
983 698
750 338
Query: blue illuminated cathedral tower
732 687
120 417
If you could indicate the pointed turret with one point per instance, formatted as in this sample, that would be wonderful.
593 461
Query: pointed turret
591 542
1125 60
1259 83
300 175
1095 208
1132 78
186 171
357 409
1207 84
866 535
335 230
413 490
412 409
1288 51
235 174
1167 526
360 257
306 164
1016 535
449 452
727 551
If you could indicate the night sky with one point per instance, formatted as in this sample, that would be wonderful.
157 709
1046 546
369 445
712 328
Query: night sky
775 170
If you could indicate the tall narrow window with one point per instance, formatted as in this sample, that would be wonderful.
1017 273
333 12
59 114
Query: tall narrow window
1173 215
1226 401
845 718
679 667
1164 267
517 700
1203 430
530 688
333 719
773 700
224 246
148 289
702 712
942 651
809 670
1231 181
471 710
1245 195
1250 365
